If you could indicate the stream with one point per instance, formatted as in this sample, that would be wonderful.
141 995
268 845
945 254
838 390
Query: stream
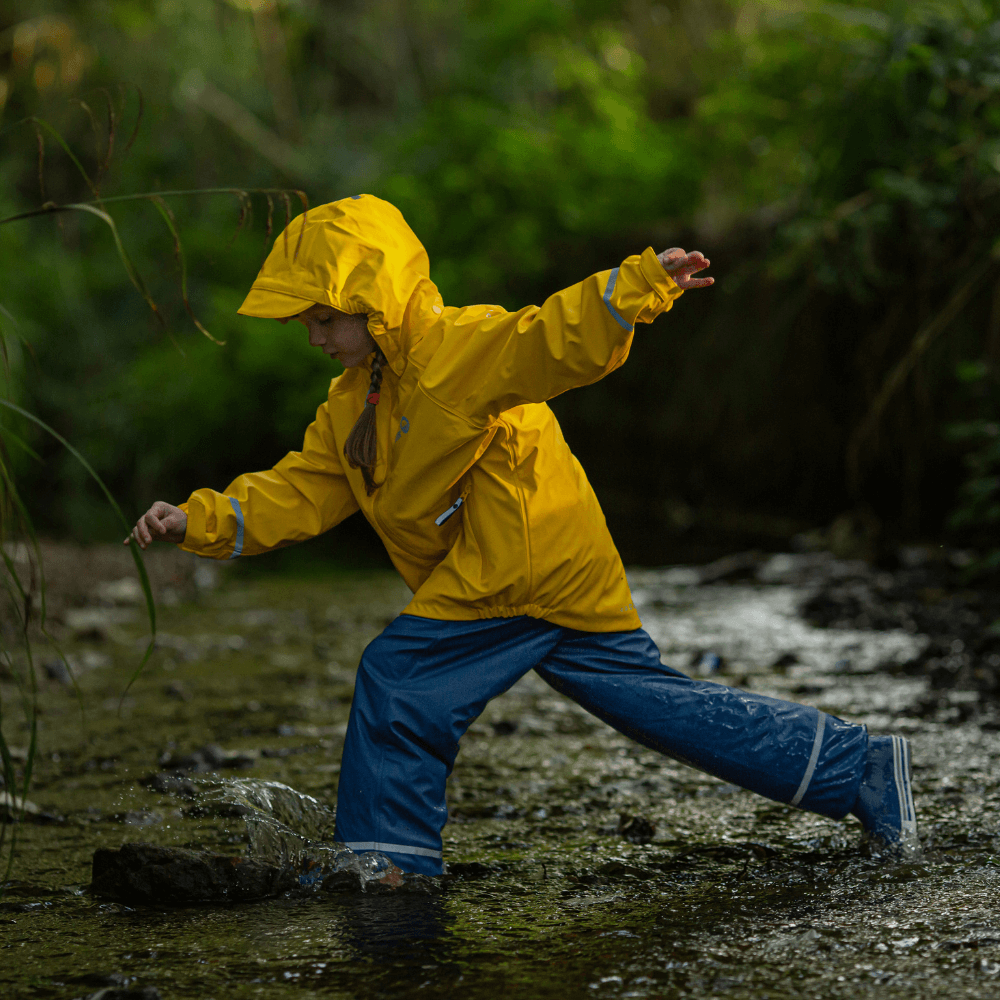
718 893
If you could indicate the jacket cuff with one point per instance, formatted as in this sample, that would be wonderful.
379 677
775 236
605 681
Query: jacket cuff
196 537
659 281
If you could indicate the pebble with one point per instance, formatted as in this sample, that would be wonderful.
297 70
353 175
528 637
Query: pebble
12 807
211 757
170 784
636 829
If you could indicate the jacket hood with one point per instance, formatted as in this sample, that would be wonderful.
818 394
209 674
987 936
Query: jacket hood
357 255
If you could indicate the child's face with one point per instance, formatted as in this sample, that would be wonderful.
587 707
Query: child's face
343 336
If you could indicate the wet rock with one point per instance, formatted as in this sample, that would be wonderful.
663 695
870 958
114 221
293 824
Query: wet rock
149 875
220 758
127 591
175 689
114 986
738 565
636 829
706 663
343 881
100 979
286 751
785 661
126 993
167 783
616 868
24 907
211 757
97 623
64 671
56 670
13 809
140 817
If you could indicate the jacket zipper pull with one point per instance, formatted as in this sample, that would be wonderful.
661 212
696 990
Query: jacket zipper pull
441 518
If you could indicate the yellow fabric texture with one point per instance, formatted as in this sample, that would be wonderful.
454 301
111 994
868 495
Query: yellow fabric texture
462 415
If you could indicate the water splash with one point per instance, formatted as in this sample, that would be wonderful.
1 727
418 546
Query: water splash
289 829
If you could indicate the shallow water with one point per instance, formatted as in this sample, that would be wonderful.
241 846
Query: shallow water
734 897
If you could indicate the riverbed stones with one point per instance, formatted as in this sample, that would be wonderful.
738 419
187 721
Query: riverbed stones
636 829
149 875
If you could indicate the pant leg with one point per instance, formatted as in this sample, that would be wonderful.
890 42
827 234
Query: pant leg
788 752
419 686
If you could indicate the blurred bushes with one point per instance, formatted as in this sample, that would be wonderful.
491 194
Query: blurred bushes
839 162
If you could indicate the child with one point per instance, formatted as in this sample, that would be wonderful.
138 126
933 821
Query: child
439 432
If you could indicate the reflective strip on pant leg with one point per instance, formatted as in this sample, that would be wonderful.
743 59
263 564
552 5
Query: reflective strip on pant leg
901 772
813 757
238 547
375 845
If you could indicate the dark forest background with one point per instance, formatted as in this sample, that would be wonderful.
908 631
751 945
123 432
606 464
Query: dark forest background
839 163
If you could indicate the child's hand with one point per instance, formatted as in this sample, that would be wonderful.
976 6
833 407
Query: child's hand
680 266
161 521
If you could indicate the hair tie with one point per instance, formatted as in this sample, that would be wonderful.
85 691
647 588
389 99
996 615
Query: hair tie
372 398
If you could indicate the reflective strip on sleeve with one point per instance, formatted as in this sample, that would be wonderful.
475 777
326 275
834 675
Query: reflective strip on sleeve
813 757
238 547
619 319
376 845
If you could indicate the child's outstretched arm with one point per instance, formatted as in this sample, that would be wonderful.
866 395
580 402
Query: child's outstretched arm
576 337
305 494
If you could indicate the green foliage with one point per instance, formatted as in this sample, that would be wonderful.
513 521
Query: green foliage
838 161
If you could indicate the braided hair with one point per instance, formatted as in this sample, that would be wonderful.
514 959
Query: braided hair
361 447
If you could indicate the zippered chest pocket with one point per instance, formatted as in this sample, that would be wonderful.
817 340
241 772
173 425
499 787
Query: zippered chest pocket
441 518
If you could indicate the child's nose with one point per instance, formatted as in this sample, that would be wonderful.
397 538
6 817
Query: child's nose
316 338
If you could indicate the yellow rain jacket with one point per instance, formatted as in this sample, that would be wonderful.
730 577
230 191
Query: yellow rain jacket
483 508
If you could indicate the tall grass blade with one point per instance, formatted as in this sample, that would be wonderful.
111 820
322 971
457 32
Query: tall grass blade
8 435
40 142
112 129
130 268
69 152
94 128
138 118
168 218
134 549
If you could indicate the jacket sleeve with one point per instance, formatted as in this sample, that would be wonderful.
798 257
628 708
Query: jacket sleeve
305 494
576 337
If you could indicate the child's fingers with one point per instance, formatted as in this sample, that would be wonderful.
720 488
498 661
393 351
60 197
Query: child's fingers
143 526
688 263
153 523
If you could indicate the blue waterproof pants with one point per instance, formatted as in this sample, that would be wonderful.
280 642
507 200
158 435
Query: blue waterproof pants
423 681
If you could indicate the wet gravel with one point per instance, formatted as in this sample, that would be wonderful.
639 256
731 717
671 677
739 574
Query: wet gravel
583 864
